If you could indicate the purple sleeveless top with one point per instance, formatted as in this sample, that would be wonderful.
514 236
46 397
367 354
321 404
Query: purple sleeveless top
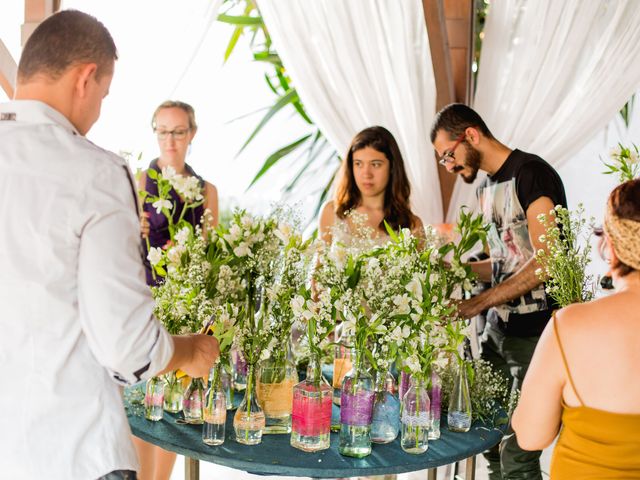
158 223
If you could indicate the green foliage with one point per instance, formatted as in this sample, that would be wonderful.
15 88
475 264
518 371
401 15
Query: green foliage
563 264
311 149
624 163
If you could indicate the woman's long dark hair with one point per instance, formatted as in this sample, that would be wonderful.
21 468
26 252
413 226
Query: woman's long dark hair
397 211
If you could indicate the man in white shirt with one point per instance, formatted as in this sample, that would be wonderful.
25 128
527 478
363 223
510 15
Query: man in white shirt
76 316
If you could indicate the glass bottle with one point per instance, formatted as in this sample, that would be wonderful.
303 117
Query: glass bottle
415 418
385 422
276 378
435 395
215 409
239 370
356 410
193 402
248 422
173 393
459 415
154 399
311 415
342 363
405 383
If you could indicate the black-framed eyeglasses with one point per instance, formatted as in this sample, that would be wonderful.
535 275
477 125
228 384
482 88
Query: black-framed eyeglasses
449 155
177 134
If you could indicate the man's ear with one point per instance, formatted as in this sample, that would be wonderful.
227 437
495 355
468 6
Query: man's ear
86 73
473 135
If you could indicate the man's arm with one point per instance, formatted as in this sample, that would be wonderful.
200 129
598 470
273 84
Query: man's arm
521 282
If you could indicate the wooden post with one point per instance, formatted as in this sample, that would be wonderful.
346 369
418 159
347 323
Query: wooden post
470 468
35 11
8 71
191 469
450 30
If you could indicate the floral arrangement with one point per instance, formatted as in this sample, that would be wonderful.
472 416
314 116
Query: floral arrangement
624 162
488 389
563 264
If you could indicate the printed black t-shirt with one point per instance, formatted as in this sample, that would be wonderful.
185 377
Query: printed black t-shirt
504 198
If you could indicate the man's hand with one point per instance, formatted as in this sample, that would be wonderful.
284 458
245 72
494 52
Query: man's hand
144 224
472 307
194 354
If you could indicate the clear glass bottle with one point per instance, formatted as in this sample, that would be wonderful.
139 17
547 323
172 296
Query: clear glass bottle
193 402
385 421
154 399
311 415
415 418
239 369
342 363
276 379
248 422
435 395
356 411
215 409
404 384
173 393
459 415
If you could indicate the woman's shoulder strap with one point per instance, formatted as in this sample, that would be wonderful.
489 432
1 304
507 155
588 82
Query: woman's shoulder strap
564 359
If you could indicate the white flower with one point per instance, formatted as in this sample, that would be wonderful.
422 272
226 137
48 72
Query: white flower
284 232
414 287
246 221
413 364
162 203
183 235
168 173
242 250
402 304
154 256
175 253
234 234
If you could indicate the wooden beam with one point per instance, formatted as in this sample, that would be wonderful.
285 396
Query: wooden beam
8 70
450 30
439 46
35 11
441 61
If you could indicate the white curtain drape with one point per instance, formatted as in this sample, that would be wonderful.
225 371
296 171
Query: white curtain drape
552 74
360 63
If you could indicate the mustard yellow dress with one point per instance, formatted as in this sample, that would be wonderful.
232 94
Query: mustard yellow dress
595 444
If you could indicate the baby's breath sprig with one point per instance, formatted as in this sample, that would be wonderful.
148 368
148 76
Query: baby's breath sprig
624 162
563 264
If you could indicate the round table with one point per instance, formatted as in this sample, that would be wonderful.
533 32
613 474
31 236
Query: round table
274 456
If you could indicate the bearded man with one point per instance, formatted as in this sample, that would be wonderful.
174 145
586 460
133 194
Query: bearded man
519 186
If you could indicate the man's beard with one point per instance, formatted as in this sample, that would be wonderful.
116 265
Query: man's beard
472 161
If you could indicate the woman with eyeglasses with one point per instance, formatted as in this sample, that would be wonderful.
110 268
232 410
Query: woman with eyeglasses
174 124
372 183
584 380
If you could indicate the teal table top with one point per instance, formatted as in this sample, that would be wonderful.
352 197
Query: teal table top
274 456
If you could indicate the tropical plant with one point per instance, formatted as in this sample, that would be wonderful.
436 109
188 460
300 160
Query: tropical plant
312 148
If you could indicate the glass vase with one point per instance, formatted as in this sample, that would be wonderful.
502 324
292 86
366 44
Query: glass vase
435 395
215 409
248 422
415 418
154 399
226 383
239 370
385 421
342 363
459 415
404 384
276 378
173 393
311 415
193 402
355 412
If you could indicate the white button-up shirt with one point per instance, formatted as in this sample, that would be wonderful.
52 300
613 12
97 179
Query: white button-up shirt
75 312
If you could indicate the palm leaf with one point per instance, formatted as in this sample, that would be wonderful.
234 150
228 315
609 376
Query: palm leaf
274 157
244 20
283 101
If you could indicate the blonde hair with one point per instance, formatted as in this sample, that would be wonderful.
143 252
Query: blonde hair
188 109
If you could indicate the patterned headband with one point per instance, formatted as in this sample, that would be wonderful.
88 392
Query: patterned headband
625 237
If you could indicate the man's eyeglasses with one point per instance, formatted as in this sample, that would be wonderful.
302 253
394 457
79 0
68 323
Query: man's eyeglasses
177 134
449 156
